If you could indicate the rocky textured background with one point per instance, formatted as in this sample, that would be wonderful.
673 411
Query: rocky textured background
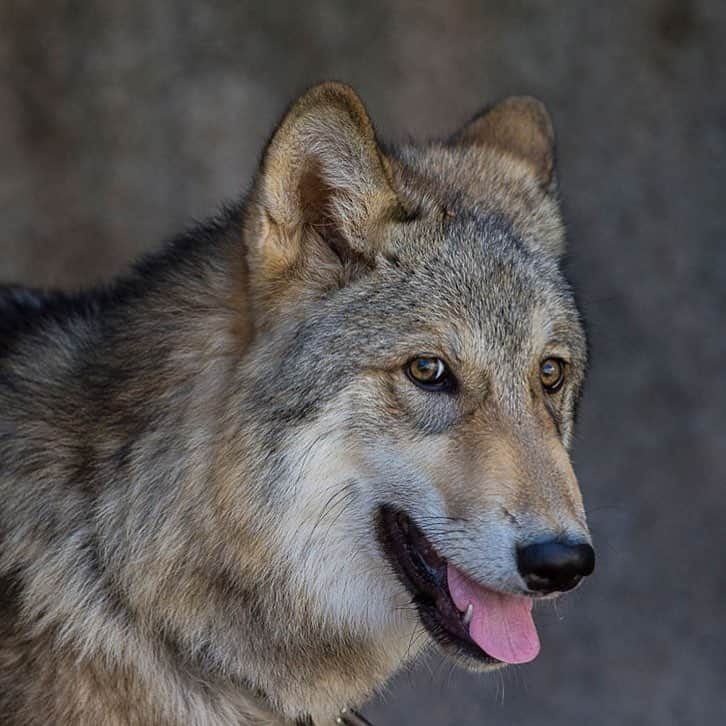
121 121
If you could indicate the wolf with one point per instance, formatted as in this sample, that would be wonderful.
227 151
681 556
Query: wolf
257 475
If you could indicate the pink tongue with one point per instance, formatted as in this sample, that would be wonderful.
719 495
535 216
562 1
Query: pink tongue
501 625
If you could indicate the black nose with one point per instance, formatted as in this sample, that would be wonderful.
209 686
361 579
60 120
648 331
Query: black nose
555 566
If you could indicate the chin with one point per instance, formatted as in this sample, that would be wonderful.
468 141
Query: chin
473 664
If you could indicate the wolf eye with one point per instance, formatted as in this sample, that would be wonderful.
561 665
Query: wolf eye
552 374
429 373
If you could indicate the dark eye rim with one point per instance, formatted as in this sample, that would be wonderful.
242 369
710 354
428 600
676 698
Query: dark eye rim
447 384
557 385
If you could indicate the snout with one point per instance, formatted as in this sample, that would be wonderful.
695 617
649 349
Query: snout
554 565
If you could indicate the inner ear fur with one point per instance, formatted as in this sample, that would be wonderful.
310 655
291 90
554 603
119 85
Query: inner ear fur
324 188
520 126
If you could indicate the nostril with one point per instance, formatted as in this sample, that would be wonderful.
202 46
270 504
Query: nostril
553 565
587 555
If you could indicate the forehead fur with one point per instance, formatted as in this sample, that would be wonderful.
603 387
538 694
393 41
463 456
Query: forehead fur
476 253
465 284
469 259
487 181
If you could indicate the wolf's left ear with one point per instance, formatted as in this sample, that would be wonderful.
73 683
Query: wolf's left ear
322 196
521 127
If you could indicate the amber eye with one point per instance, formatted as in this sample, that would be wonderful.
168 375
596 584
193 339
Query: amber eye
552 374
429 372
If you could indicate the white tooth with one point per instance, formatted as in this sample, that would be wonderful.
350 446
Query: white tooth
468 614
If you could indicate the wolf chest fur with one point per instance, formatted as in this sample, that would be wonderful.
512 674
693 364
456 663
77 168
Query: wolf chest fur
254 477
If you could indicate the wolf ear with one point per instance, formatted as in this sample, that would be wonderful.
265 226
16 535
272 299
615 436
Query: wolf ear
520 126
323 193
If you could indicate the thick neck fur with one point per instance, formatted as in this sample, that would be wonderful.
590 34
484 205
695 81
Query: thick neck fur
138 521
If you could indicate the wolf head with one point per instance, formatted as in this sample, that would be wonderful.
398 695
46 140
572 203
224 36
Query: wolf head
413 375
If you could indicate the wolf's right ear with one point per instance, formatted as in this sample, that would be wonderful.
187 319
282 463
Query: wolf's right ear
322 196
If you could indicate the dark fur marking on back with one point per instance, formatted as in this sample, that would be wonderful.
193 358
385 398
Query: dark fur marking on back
23 310
10 588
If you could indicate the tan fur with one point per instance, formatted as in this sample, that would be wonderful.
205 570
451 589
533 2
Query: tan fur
521 128
192 463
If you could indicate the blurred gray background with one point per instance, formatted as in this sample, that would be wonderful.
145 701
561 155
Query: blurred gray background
120 121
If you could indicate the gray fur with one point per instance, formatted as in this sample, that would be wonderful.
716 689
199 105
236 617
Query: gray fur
156 463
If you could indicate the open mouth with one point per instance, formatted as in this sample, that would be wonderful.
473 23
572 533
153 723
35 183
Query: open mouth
461 615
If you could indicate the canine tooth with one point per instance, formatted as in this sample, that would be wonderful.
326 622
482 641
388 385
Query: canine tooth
468 614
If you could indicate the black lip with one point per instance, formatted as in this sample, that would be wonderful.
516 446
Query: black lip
423 572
